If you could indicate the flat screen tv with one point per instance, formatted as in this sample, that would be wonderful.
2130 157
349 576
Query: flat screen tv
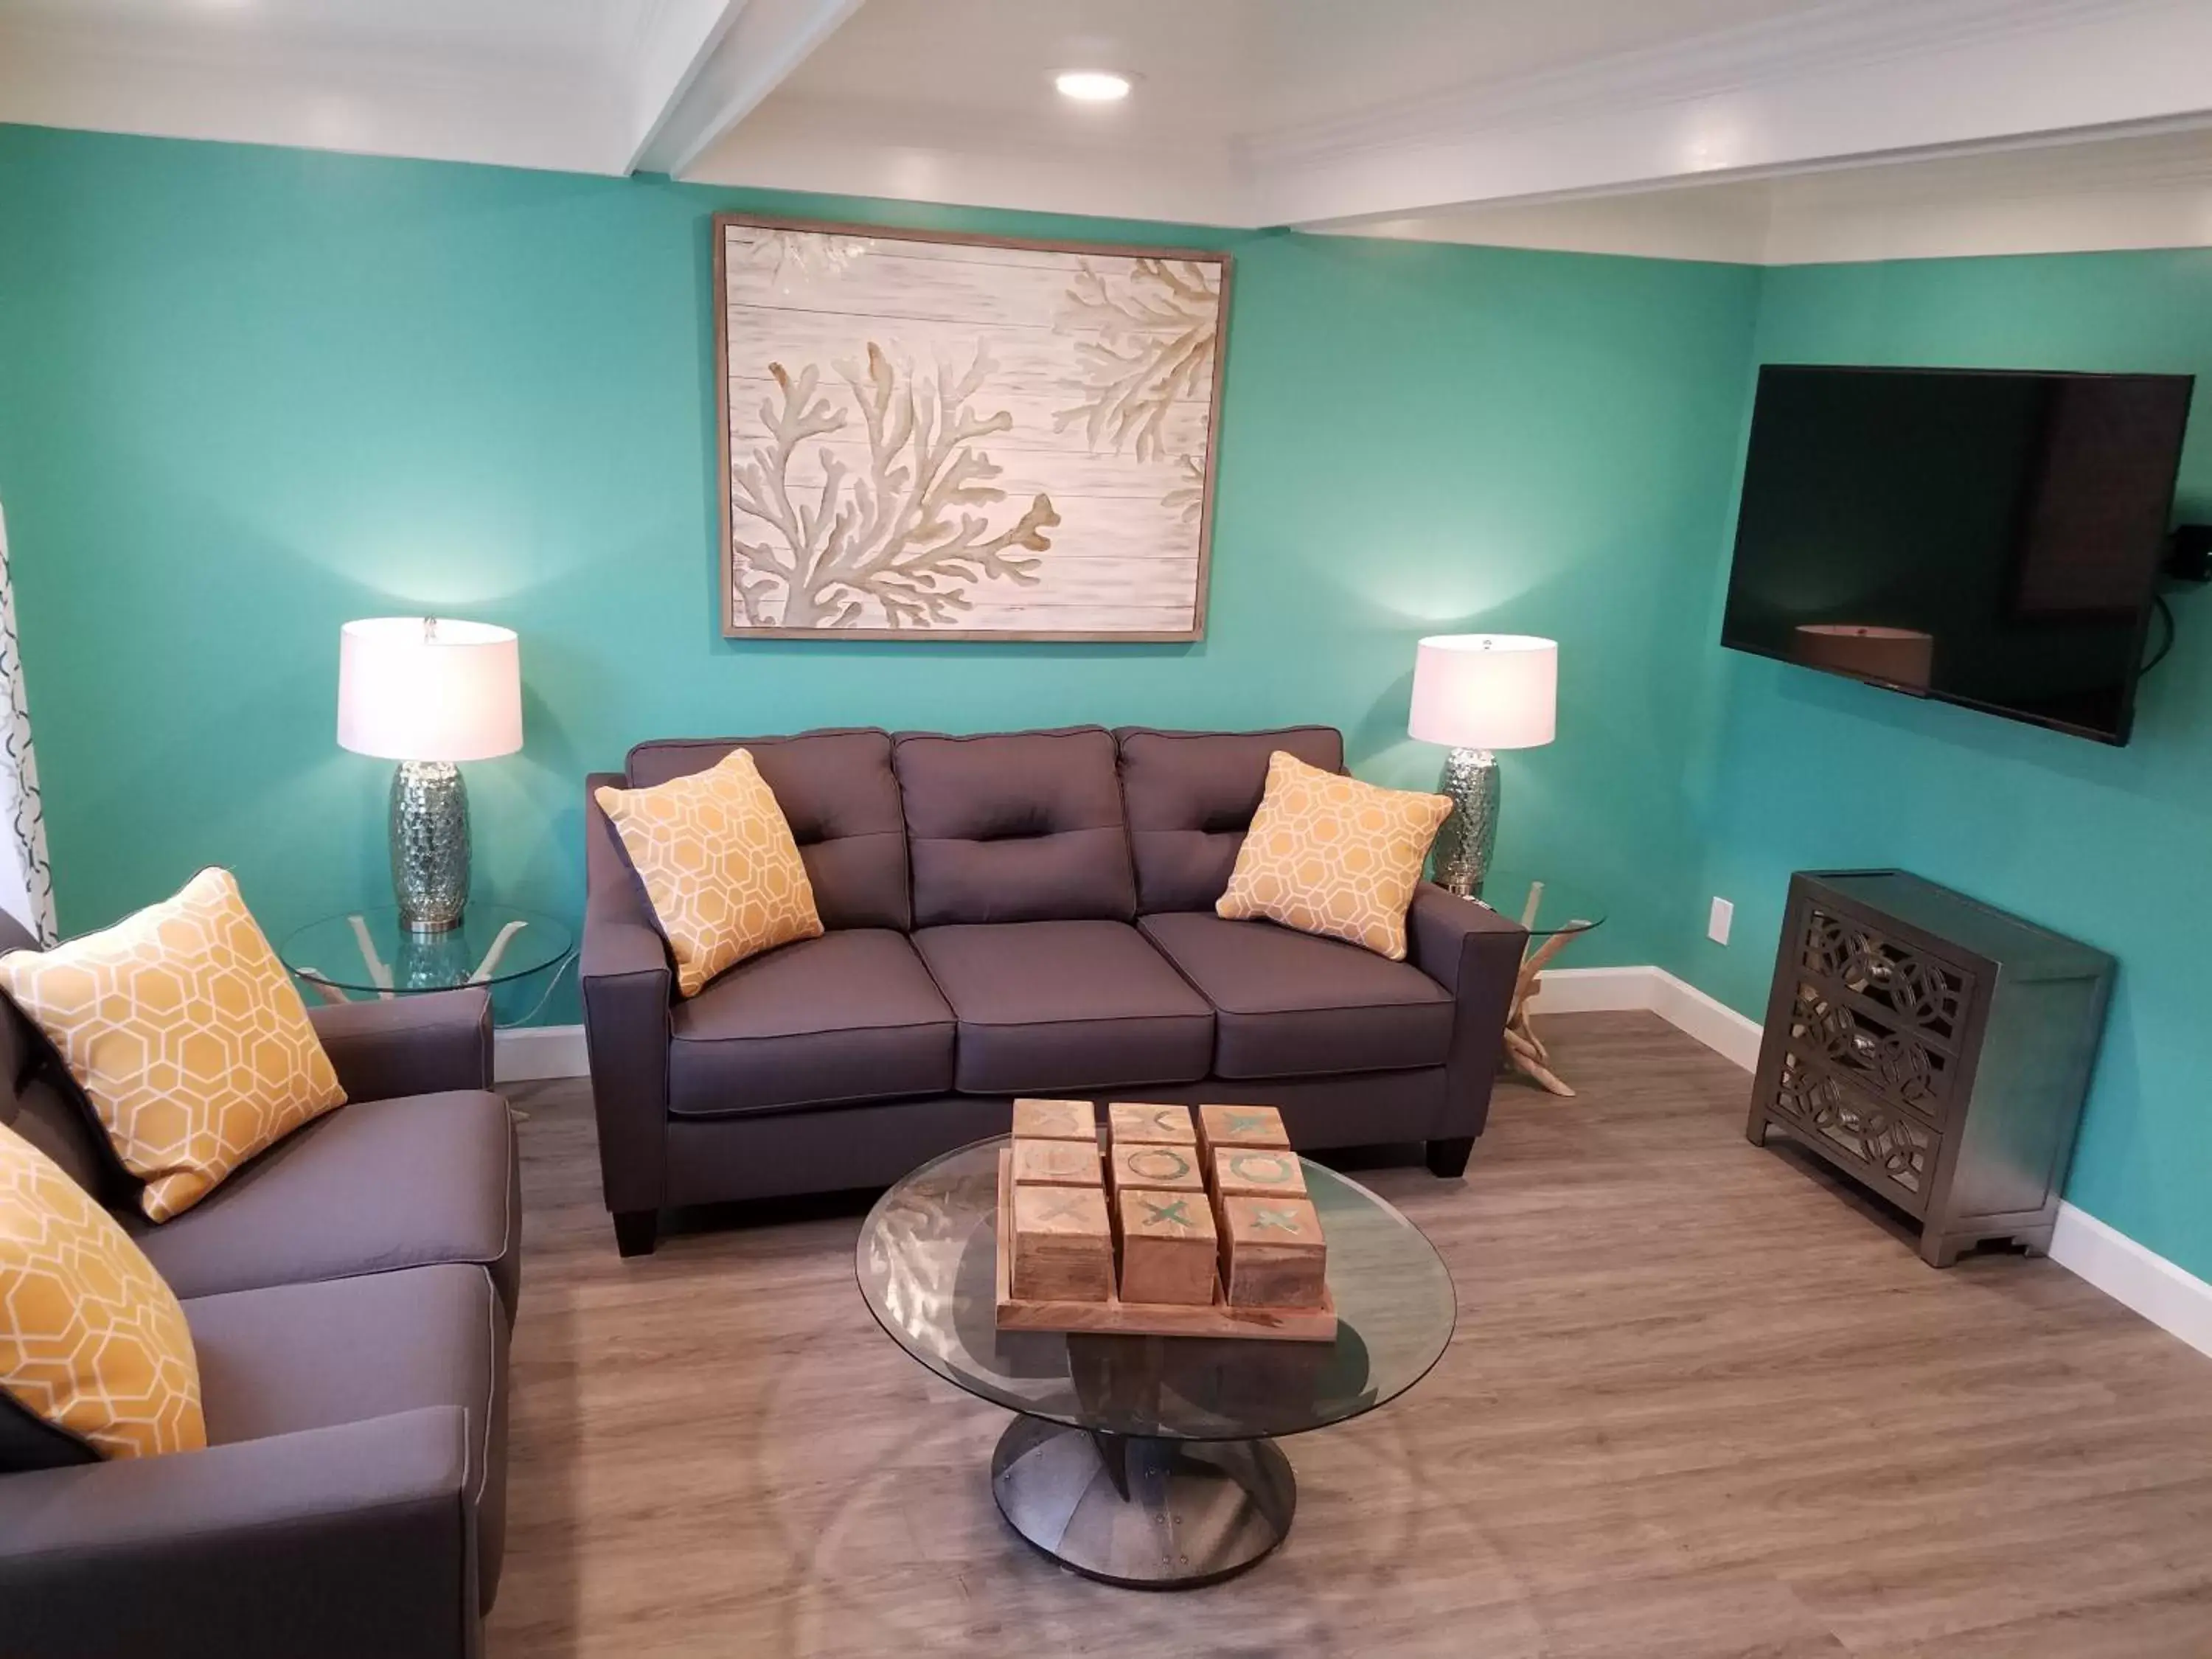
1991 538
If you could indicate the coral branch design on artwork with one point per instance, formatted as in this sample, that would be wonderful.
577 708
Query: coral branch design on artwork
895 546
1186 500
927 435
1155 331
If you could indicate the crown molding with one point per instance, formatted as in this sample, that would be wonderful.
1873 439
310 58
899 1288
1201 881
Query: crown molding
167 84
1838 84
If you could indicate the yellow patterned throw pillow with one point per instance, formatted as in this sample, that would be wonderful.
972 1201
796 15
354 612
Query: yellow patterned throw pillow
719 864
1330 855
183 1031
91 1339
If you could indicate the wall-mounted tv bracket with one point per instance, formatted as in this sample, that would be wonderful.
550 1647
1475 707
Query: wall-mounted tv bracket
2189 555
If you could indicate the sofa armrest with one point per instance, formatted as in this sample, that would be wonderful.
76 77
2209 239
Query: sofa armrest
411 1045
351 1542
1475 953
627 981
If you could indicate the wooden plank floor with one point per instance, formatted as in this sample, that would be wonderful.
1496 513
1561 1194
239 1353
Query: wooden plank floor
1700 1403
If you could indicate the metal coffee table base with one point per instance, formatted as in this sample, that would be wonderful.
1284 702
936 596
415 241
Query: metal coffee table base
1142 1513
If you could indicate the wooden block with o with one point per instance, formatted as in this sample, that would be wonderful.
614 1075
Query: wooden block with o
1260 1172
1156 1169
1131 1122
1056 1164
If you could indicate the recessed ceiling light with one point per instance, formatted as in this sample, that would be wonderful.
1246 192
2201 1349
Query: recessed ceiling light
1092 85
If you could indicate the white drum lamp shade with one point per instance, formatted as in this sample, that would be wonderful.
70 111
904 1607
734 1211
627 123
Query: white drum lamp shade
425 689
1485 690
430 693
1478 693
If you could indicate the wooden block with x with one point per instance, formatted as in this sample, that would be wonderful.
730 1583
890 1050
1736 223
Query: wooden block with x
1273 1252
1063 1248
1167 1251
1240 1126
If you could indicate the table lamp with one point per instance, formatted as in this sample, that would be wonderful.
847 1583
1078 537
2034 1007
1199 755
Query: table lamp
429 693
1479 693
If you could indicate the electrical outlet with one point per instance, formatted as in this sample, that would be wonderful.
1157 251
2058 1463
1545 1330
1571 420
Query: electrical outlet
1718 925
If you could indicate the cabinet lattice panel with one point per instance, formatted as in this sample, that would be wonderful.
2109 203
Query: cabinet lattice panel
1935 1050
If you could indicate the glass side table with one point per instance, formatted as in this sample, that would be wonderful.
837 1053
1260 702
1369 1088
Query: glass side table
1553 914
367 953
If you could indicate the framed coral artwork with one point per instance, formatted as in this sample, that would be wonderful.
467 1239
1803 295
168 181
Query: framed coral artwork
932 436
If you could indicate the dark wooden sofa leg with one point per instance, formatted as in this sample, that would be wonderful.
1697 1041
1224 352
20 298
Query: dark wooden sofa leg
635 1231
1448 1158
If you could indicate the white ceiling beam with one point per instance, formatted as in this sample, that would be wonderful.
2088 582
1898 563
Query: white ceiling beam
678 39
759 44
1839 85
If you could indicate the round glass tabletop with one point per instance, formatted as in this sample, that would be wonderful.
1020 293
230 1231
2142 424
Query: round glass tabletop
1561 907
368 949
928 1260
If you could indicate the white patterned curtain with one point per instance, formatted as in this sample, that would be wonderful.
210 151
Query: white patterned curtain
26 884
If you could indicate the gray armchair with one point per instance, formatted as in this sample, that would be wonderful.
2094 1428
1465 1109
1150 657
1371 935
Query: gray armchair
350 1293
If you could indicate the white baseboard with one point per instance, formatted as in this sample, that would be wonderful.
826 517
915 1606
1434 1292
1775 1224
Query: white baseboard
521 1054
2171 1298
1653 990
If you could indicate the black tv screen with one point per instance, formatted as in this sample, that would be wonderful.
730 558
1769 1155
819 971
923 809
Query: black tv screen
1987 538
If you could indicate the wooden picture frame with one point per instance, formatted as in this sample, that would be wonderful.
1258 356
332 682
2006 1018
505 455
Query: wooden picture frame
874 463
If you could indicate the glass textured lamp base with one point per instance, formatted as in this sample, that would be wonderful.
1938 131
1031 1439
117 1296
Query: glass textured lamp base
1464 844
429 845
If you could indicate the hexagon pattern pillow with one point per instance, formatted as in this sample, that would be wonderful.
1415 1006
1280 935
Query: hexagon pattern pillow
183 1031
719 864
91 1340
1330 854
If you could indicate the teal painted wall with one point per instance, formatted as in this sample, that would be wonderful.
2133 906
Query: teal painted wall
1798 770
246 394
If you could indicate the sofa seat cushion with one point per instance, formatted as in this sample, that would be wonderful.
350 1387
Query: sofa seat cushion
851 1016
297 1357
1057 1005
380 1184
1288 1004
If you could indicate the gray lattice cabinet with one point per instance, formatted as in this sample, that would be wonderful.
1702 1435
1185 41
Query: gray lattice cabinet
1935 1050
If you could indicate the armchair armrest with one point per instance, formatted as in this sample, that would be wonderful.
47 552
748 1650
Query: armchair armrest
627 982
351 1542
414 1045
1475 953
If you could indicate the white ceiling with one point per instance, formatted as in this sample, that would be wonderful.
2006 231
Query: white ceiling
1754 130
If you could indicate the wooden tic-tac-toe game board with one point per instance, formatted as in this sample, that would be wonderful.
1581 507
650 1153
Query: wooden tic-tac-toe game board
1174 1227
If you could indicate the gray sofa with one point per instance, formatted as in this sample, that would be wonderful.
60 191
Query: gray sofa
350 1294
1011 914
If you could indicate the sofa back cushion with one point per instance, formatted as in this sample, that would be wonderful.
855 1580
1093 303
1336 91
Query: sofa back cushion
838 794
1190 798
1015 826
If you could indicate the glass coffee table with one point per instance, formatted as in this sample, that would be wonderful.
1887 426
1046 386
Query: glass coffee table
1149 1461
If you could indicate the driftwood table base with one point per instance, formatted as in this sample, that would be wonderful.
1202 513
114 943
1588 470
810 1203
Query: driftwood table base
1525 1053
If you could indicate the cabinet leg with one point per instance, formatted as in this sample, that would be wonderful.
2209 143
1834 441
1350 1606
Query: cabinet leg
1755 1130
1448 1158
1941 1252
635 1231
